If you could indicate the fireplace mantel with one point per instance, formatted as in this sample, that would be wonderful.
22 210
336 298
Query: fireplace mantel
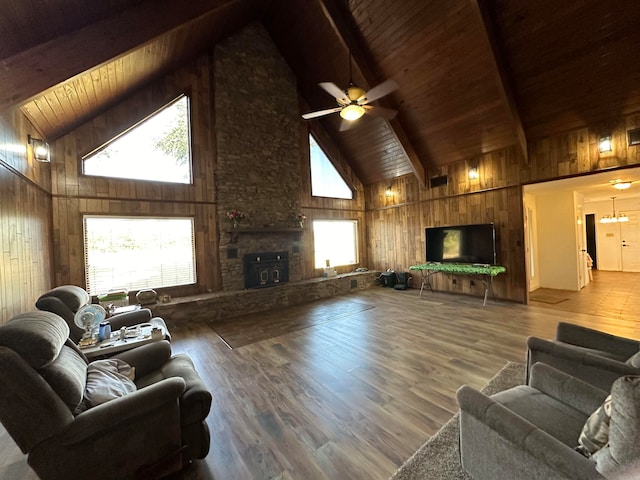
234 233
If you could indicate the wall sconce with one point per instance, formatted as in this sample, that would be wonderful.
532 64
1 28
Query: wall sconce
388 192
473 173
604 144
40 149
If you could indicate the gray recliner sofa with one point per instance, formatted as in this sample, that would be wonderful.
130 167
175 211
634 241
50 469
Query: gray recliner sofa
529 432
66 300
154 430
596 357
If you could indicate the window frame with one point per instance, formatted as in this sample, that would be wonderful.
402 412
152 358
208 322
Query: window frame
128 130
193 252
356 242
314 138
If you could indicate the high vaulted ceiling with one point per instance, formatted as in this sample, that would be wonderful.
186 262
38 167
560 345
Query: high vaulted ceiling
474 75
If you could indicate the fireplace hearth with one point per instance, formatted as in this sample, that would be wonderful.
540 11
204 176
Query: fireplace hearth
266 269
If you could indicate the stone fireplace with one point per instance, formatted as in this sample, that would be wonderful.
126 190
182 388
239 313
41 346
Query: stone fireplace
258 162
266 269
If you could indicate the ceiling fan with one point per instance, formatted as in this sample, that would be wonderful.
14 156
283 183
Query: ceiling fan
354 102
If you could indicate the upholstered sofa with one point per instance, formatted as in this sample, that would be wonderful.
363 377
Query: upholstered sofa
152 429
530 432
596 357
66 300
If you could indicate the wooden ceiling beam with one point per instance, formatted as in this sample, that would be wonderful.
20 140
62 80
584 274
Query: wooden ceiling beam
346 30
32 71
503 80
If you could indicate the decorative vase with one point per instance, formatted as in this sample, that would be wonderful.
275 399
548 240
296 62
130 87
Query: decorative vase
301 224
236 224
146 296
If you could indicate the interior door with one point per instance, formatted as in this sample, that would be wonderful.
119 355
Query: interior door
583 279
630 243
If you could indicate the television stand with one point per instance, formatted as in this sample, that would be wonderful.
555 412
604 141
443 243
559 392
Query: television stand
485 272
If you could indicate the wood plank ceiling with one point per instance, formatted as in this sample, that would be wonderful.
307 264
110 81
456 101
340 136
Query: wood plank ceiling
474 75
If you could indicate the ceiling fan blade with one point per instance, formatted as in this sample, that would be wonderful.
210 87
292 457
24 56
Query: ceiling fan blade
320 113
375 111
335 91
378 91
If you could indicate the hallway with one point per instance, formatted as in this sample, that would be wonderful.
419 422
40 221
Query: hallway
610 294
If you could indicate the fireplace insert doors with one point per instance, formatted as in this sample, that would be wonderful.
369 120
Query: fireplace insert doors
266 269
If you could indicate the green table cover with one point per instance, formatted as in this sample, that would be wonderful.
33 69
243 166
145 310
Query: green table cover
461 268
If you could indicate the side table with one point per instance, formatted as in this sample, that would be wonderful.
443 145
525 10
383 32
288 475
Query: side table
136 335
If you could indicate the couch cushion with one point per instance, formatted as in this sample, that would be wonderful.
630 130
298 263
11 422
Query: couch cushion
67 375
593 351
559 420
624 428
595 433
634 360
36 336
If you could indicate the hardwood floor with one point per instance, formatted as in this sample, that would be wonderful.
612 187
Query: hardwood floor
353 397
610 294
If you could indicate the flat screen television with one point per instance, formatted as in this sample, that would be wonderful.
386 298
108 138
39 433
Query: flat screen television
462 244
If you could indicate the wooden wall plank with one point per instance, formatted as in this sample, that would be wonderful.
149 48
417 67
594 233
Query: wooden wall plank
396 224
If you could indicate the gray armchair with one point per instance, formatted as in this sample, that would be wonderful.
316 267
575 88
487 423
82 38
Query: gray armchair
150 432
66 300
530 431
596 357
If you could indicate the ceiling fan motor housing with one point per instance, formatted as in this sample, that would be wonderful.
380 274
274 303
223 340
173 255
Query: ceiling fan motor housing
355 93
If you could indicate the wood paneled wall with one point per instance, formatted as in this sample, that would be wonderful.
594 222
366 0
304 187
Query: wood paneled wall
75 195
25 219
396 224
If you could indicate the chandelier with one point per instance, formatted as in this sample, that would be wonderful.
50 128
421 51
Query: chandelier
621 217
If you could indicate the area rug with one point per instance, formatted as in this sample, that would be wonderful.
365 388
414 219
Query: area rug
548 296
439 457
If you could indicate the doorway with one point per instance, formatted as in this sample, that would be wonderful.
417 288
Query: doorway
590 227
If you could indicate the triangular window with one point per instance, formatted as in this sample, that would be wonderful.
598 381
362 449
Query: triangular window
325 179
157 149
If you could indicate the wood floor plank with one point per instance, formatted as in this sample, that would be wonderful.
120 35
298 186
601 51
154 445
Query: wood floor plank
356 393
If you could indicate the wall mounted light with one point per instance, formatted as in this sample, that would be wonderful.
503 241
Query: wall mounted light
388 192
474 174
605 144
40 149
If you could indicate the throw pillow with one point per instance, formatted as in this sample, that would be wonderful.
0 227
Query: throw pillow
634 360
595 433
108 379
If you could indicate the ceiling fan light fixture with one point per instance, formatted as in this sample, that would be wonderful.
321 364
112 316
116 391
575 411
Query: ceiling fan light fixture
618 185
352 112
